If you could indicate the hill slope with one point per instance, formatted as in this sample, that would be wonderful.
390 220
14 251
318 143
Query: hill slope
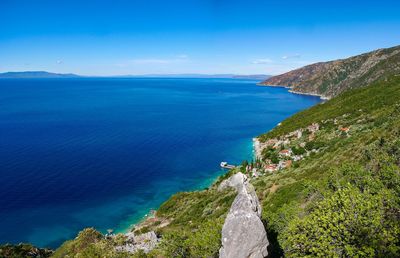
342 197
331 78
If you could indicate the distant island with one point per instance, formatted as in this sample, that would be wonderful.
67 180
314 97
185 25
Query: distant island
44 74
37 74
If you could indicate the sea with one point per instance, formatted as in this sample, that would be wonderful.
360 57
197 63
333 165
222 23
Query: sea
103 152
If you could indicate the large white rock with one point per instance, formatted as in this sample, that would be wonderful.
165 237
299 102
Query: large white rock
146 242
243 233
236 181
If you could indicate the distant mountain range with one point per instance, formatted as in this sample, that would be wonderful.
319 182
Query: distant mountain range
43 74
331 78
36 74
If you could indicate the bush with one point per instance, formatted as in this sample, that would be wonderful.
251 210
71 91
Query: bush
298 150
350 223
23 250
314 145
203 242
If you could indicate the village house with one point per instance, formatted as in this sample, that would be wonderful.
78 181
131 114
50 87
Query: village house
284 164
255 172
296 134
313 127
344 129
299 133
271 142
285 153
297 157
271 168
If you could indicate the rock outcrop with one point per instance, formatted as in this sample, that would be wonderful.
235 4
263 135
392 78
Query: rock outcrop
146 242
243 233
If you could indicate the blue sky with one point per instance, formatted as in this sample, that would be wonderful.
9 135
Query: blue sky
191 36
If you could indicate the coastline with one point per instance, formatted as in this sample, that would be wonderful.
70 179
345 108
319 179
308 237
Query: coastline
256 148
151 214
310 94
322 97
256 154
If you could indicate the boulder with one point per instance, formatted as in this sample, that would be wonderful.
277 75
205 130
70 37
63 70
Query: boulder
243 233
146 242
236 181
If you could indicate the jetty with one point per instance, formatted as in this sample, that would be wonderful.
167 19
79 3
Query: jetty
225 164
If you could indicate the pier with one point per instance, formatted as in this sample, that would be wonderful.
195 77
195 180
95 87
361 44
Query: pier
226 165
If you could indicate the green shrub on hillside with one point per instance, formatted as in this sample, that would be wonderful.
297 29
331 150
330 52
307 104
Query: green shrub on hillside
349 223
23 250
203 242
88 244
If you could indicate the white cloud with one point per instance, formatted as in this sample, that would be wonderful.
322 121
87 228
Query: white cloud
60 61
262 61
291 56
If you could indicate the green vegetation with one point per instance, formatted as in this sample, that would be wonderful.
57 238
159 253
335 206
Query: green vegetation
196 223
89 243
23 250
371 100
271 154
300 150
344 200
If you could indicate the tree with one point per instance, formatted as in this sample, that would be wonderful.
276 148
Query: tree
298 150
349 223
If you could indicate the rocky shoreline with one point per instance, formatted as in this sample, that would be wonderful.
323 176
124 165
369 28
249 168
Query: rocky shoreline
257 148
310 94
323 97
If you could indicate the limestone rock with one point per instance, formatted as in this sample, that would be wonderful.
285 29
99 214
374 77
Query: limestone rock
236 181
146 242
243 233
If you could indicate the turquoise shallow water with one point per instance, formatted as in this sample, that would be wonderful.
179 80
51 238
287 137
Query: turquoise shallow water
85 152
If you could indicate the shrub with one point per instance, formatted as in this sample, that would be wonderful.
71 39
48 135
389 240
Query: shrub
350 223
298 150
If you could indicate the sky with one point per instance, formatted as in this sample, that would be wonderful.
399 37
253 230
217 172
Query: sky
120 37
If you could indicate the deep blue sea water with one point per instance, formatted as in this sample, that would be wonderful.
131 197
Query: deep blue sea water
86 152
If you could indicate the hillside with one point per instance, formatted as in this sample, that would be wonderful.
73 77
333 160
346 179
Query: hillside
331 78
340 195
36 74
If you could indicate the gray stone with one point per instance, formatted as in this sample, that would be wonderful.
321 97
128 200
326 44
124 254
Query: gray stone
146 242
236 181
243 233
